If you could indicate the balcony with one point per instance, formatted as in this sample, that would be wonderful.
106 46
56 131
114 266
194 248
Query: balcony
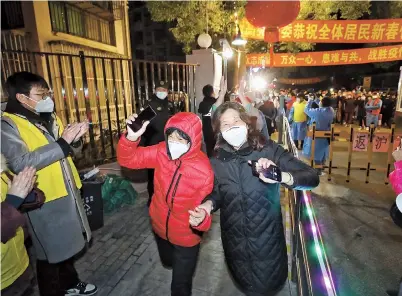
70 19
108 10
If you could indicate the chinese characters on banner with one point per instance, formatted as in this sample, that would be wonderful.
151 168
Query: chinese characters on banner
329 58
302 81
381 142
333 31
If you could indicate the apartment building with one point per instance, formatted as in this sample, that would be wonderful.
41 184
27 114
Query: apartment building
65 41
152 40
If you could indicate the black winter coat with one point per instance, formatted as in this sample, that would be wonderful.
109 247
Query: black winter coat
251 220
154 133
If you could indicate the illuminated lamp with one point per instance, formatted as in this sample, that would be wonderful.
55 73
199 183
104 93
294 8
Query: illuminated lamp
204 40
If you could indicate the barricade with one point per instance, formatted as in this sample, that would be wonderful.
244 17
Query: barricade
374 140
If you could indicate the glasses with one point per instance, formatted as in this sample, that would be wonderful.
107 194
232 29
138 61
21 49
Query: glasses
43 96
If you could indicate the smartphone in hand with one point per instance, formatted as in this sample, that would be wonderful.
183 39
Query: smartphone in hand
272 172
146 115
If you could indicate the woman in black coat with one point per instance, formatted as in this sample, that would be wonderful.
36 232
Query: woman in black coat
251 219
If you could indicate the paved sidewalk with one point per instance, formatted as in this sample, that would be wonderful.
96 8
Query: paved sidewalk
123 259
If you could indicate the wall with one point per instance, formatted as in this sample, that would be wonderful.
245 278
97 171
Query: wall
38 24
209 70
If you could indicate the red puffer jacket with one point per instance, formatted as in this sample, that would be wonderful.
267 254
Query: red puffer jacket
180 185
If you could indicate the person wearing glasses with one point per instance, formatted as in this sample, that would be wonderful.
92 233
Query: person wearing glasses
33 136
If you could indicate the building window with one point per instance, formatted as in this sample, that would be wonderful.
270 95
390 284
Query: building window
139 54
69 19
11 15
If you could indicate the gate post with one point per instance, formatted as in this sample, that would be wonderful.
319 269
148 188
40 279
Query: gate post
87 102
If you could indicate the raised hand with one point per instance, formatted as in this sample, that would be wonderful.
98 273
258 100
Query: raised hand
131 135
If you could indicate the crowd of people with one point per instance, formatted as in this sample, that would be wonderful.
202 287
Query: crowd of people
303 108
189 187
187 183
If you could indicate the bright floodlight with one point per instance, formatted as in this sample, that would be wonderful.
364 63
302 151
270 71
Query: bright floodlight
239 41
258 83
228 54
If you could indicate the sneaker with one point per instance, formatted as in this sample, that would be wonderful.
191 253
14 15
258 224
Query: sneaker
82 289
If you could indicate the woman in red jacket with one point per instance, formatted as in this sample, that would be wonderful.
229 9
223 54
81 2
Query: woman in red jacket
183 178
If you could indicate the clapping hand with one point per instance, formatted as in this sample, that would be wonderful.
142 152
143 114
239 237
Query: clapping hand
22 183
75 131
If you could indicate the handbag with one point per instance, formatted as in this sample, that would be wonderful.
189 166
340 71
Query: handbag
39 198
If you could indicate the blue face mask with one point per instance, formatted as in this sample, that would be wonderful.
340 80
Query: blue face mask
43 106
161 95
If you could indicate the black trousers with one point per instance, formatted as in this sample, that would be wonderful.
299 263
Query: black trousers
150 187
55 279
183 261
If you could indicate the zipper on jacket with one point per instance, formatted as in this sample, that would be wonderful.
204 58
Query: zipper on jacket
167 197
175 189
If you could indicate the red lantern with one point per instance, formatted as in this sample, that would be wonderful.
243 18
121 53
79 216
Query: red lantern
272 15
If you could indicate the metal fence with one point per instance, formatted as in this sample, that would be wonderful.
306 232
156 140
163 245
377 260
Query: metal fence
102 90
310 266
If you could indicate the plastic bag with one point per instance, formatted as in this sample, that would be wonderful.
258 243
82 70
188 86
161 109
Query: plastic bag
117 191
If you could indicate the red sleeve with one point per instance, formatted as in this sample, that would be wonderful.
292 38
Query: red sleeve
11 219
206 224
205 191
131 156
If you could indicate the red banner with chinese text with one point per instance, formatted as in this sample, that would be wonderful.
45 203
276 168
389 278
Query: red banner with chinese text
328 58
332 31
302 81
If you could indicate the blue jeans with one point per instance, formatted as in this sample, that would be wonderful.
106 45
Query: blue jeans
371 119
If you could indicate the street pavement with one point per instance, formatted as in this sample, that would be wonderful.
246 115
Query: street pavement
123 259
362 243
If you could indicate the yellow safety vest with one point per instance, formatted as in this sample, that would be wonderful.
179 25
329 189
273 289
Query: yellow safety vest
14 257
50 179
298 112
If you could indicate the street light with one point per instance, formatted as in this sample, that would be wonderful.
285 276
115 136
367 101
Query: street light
239 41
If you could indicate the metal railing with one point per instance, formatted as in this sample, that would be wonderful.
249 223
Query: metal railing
102 90
310 267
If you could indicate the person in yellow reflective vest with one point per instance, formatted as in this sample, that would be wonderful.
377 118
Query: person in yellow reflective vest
298 120
16 275
32 135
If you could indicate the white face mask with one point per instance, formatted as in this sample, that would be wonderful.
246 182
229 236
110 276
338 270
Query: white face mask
177 149
43 106
236 136
161 95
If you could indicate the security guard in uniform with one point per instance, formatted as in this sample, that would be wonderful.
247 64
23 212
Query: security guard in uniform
154 133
